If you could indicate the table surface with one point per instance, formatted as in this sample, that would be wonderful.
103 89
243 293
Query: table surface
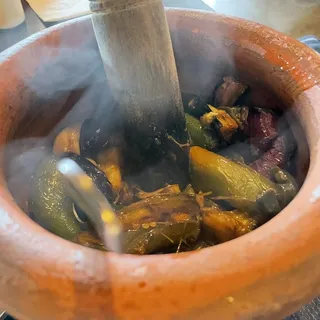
294 17
34 24
306 22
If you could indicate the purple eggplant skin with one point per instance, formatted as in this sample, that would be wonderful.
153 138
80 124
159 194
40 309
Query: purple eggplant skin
262 127
98 177
229 92
281 150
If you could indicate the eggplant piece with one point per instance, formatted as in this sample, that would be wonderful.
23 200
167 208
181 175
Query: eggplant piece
226 225
199 136
155 236
158 208
193 105
262 127
68 140
110 162
240 115
229 92
98 177
281 150
221 122
160 222
239 185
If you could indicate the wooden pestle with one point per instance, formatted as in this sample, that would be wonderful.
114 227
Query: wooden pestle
136 49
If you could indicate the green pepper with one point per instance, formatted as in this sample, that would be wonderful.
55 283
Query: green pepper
241 186
50 205
199 136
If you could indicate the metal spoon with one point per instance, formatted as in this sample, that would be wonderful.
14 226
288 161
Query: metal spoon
89 198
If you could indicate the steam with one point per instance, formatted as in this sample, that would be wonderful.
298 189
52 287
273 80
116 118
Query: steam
67 87
72 71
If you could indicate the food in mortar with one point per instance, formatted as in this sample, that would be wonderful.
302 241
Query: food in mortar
231 178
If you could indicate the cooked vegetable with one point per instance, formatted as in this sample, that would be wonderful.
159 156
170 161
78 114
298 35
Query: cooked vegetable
199 136
229 92
221 122
262 127
230 161
241 186
158 208
68 140
278 155
50 205
240 115
98 177
227 225
154 236
110 162
160 222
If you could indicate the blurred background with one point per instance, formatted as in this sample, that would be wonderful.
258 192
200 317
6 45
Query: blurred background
297 18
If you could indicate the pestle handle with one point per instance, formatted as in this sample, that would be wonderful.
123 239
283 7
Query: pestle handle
136 50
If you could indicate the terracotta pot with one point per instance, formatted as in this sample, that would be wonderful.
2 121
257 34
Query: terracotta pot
266 274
